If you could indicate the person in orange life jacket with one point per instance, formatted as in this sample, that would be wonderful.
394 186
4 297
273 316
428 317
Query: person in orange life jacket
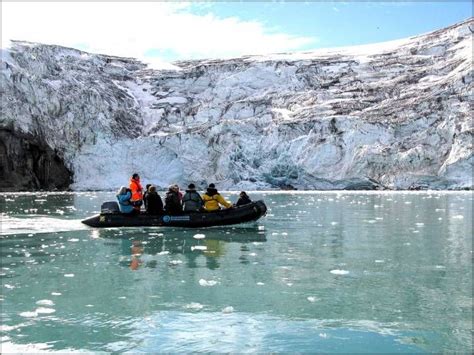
137 191
212 199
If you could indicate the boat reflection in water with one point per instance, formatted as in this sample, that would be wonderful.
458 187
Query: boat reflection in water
145 247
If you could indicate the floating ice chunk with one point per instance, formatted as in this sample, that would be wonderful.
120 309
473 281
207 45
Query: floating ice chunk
440 267
73 240
261 228
156 234
379 261
11 287
228 309
407 202
122 298
333 223
370 221
45 303
203 282
194 305
175 262
199 236
89 305
339 272
459 216
56 293
312 299
420 224
44 310
284 233
164 252
29 314
7 328
323 335
199 247
68 275
260 283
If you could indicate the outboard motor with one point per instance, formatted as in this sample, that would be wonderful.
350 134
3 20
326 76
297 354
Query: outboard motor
109 207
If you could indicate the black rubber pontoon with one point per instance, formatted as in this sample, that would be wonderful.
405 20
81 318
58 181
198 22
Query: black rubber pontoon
111 217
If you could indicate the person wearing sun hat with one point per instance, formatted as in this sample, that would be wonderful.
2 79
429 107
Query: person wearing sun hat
213 199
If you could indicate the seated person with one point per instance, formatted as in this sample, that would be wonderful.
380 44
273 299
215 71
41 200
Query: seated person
212 199
244 199
192 201
145 195
123 197
173 201
153 202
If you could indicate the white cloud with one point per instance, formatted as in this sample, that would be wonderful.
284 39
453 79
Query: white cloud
133 29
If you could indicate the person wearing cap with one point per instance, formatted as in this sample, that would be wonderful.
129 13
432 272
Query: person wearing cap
213 199
192 201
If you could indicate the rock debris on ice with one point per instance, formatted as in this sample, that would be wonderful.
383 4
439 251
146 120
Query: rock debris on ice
394 114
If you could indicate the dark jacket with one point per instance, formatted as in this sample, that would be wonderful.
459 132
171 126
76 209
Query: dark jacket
192 201
243 200
153 203
173 203
145 200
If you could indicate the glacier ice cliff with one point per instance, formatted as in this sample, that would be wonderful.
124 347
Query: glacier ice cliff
390 115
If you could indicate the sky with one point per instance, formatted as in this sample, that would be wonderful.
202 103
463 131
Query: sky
168 31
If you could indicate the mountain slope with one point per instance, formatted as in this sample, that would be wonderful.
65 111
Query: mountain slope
396 114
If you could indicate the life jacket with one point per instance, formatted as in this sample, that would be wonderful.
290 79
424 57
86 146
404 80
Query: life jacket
212 199
137 190
192 201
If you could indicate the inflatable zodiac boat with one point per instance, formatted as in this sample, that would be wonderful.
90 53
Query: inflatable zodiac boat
110 216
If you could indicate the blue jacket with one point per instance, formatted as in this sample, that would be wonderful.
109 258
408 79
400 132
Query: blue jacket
124 202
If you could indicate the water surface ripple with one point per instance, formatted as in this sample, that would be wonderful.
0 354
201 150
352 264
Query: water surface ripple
327 272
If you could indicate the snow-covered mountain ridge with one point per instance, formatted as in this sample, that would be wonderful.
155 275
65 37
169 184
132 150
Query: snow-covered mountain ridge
398 114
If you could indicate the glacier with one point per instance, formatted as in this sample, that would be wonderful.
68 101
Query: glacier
393 115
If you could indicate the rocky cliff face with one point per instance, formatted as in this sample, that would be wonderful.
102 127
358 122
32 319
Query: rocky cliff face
397 114
28 164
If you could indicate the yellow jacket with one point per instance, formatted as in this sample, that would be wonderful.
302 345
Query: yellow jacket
211 203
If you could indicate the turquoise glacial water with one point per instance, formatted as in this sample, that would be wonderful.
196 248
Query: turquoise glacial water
322 272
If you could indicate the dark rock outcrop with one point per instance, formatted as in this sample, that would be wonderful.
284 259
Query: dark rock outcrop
26 163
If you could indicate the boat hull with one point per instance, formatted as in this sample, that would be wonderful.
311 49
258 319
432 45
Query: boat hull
235 215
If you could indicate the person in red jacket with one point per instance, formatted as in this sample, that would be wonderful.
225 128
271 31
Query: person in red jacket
137 191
